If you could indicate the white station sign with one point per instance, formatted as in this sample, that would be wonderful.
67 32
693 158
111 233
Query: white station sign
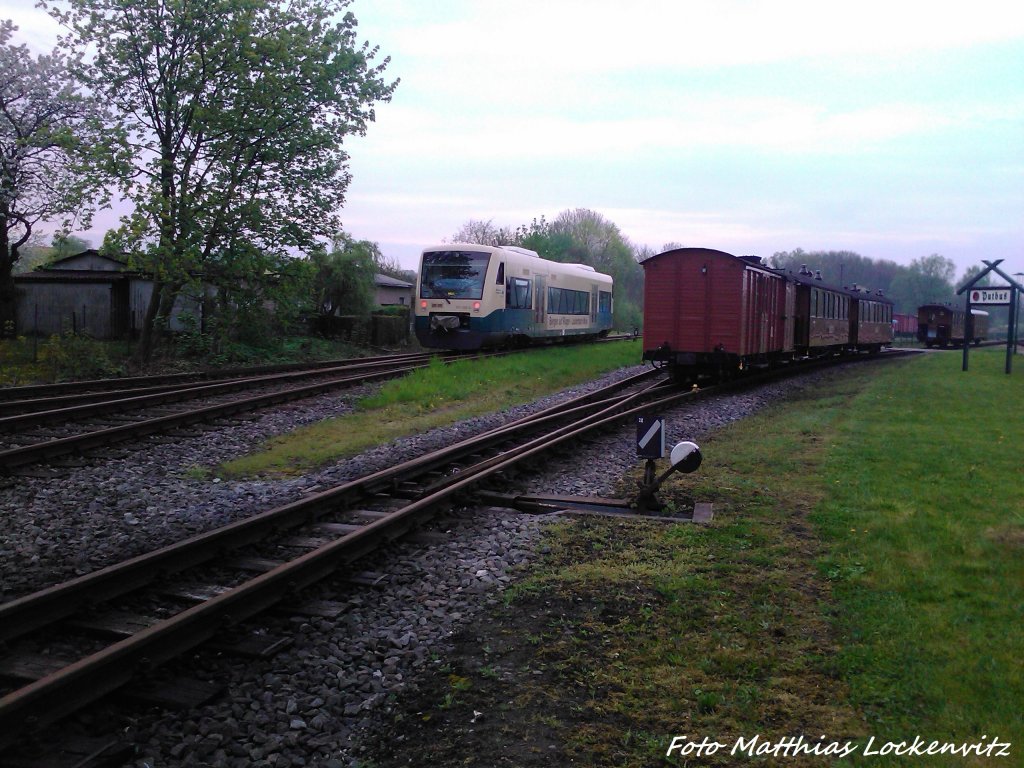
990 296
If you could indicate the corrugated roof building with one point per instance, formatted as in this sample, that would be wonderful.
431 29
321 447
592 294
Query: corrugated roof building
90 293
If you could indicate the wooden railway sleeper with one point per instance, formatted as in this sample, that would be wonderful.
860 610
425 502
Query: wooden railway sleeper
107 669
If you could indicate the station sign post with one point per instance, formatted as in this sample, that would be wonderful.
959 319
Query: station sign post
992 296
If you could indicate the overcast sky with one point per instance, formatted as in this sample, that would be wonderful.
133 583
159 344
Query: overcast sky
894 129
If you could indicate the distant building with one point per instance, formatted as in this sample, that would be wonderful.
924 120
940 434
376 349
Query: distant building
392 291
92 293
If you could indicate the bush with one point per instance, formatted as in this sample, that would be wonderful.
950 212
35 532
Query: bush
77 356
627 316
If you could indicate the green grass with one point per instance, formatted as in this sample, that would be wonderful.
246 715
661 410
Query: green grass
74 357
863 576
924 525
64 357
435 396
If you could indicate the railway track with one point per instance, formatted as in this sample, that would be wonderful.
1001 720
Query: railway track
42 427
126 384
221 577
31 434
39 397
16 401
274 555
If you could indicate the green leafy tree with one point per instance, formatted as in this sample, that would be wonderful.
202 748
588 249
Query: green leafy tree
598 242
929 279
68 245
343 280
972 272
48 130
235 112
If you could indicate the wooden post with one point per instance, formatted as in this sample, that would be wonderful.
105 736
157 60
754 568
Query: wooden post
968 330
1011 342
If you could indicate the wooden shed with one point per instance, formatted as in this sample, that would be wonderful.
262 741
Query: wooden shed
90 293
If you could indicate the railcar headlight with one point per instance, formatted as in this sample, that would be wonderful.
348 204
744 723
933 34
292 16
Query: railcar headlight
476 306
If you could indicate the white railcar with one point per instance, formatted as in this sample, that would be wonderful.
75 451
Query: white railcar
472 296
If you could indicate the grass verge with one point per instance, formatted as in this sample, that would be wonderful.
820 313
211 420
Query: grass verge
862 578
431 397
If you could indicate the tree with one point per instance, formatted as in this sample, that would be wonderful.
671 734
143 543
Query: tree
344 277
929 279
235 112
47 130
68 245
971 272
484 233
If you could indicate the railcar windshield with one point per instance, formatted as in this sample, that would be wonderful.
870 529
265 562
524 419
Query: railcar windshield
453 274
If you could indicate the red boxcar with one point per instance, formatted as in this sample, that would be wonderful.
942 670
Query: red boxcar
710 311
904 325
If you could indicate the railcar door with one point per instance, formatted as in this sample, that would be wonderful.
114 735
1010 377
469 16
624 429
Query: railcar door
855 321
540 305
802 318
789 318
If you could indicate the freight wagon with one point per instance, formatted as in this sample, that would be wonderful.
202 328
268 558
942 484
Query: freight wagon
942 325
710 313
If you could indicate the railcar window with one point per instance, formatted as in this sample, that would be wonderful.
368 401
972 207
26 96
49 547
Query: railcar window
604 300
517 294
565 301
500 279
453 274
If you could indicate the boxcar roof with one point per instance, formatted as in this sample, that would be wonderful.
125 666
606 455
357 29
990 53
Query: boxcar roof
690 251
815 282
754 261
709 253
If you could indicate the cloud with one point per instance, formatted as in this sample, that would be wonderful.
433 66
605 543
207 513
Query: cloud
593 36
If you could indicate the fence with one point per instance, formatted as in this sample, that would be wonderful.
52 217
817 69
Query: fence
375 330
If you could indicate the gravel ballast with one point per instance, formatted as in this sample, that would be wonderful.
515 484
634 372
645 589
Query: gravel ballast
306 705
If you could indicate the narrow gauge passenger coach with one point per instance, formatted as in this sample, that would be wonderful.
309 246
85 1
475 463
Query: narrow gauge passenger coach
473 296
707 312
943 325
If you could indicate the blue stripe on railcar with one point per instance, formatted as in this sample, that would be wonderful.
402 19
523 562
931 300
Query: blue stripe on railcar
497 328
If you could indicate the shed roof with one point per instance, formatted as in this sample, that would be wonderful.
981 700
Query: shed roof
386 281
68 262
